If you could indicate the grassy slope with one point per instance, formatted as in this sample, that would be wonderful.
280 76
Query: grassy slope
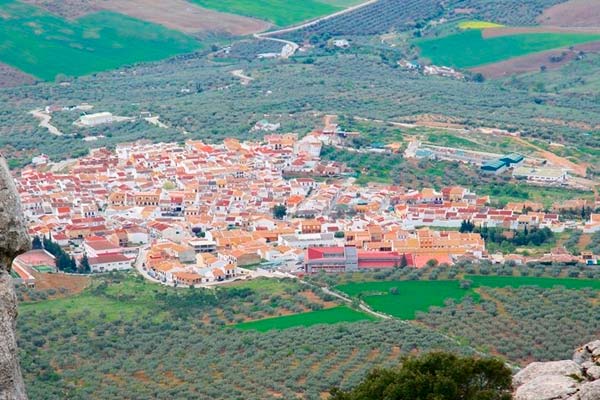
328 316
279 12
469 49
44 45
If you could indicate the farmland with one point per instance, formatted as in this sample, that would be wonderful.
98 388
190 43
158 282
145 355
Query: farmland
478 25
404 299
124 335
327 316
542 282
470 49
44 45
279 12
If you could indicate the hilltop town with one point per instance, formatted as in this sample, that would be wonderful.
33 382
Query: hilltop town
198 214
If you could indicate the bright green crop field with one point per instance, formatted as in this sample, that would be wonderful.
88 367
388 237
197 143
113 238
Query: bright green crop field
328 316
469 49
413 296
279 12
503 281
45 45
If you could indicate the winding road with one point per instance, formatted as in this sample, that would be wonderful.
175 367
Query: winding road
294 46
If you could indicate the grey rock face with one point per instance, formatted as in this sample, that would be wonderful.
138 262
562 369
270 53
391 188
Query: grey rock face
547 387
13 232
554 368
11 381
13 241
590 391
576 379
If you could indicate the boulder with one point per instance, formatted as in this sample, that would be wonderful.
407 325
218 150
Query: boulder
547 387
587 352
589 391
539 369
592 372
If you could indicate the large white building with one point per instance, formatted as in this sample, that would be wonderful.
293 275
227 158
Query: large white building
96 119
541 174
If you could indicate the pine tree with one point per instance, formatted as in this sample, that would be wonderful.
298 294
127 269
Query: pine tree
36 243
84 265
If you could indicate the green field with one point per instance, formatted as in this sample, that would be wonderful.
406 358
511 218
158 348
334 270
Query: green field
503 281
469 49
279 12
413 296
45 45
328 316
44 268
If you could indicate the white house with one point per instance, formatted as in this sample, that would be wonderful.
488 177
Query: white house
109 262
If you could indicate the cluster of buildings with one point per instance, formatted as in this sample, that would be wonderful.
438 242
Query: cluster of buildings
198 213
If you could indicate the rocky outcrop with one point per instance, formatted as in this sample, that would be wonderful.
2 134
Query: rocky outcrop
576 379
13 241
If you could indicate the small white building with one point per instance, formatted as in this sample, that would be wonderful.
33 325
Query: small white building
109 262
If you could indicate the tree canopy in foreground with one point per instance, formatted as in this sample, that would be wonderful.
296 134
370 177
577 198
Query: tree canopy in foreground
435 376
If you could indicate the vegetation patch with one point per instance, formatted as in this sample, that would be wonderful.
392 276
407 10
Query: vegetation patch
542 282
279 12
402 299
45 45
328 316
478 25
470 49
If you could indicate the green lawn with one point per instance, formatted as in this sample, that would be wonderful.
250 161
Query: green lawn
279 12
45 45
412 296
44 268
327 316
469 49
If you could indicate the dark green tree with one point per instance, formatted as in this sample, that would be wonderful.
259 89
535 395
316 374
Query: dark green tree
279 211
84 265
36 243
435 376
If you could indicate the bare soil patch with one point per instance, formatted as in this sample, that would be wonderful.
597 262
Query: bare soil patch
184 16
73 283
10 77
70 9
534 62
572 13
174 14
